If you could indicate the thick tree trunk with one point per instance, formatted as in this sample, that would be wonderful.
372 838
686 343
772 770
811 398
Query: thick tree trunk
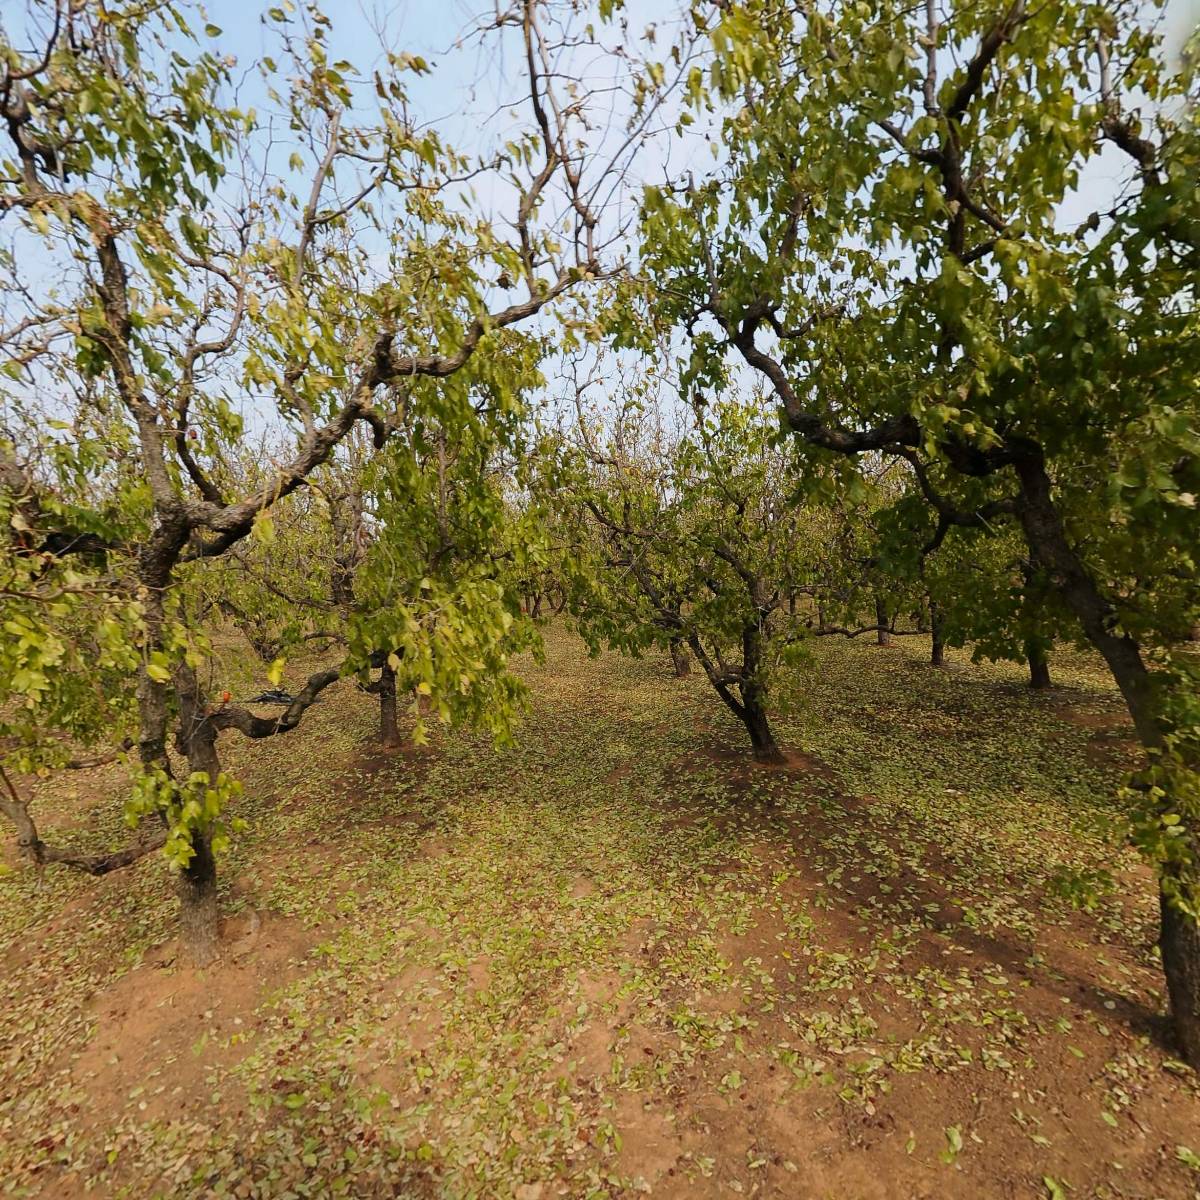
1039 665
937 647
1179 934
198 913
680 658
157 558
762 740
754 699
882 636
1179 942
389 729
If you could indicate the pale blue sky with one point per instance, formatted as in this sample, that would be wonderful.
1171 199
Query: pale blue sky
468 84
472 80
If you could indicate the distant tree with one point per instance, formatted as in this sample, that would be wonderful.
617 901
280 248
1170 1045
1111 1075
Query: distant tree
437 595
692 540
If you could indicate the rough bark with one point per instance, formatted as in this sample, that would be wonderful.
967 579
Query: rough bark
754 698
389 730
751 708
233 716
199 925
1039 665
39 853
762 740
937 646
156 565
680 658
882 636
1048 542
199 936
100 864
1179 942
349 546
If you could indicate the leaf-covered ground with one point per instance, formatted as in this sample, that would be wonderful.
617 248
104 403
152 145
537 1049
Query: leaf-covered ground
620 959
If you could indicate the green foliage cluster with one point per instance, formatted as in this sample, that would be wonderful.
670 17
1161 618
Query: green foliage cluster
189 808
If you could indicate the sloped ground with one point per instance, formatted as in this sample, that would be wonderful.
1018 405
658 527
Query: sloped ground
620 959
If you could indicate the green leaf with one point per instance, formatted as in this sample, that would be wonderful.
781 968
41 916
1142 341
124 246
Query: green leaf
263 528
954 1144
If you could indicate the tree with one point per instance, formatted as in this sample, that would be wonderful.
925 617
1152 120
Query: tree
690 539
167 273
436 597
889 246
979 587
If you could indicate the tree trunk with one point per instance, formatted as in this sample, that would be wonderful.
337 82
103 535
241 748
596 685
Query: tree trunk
389 730
1048 542
1179 934
198 912
154 574
754 698
680 658
349 544
882 636
536 610
751 709
821 615
196 886
1039 665
754 717
1179 942
937 648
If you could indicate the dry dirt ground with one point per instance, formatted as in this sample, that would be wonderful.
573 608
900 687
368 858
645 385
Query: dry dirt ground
618 959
